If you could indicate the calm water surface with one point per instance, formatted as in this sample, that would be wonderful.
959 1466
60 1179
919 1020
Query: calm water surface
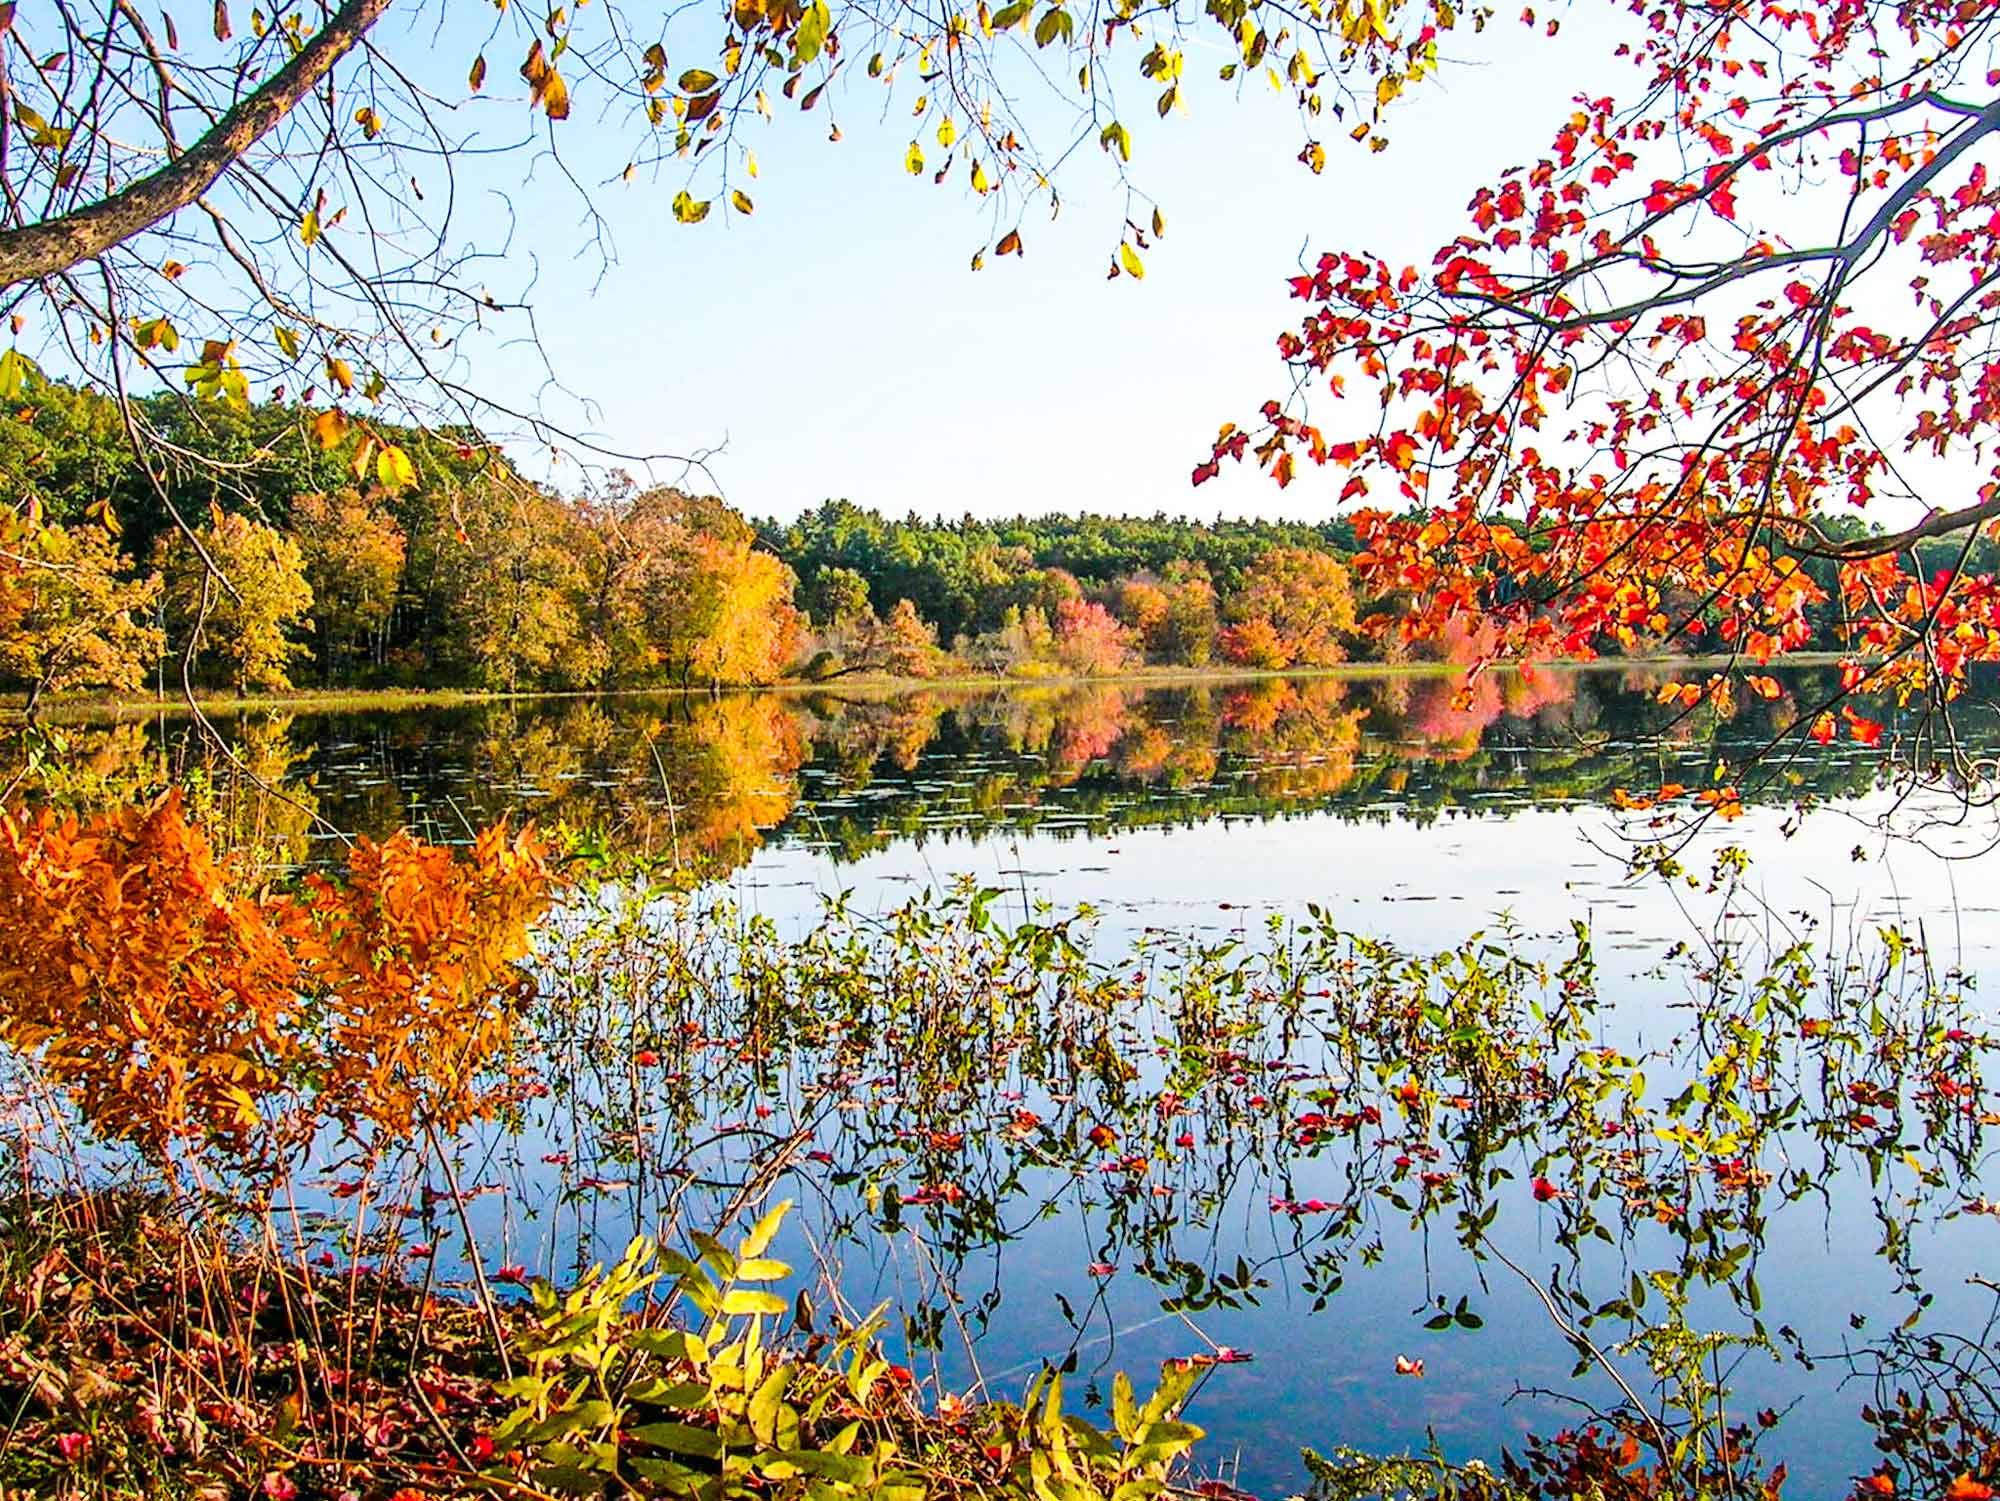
1404 808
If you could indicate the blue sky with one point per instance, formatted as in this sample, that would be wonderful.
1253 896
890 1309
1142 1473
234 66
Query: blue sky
836 343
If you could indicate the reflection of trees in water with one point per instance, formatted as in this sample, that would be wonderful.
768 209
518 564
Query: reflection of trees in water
258 797
1300 740
850 741
698 779
709 779
1449 718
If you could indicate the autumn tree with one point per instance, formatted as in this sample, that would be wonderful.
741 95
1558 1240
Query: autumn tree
1294 612
71 616
1738 303
236 592
906 644
502 570
1141 606
353 551
1186 633
1090 640
708 603
748 629
637 564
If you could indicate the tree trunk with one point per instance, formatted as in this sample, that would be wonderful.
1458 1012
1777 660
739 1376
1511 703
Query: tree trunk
53 246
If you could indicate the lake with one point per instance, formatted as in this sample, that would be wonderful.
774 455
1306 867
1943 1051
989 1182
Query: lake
1172 1127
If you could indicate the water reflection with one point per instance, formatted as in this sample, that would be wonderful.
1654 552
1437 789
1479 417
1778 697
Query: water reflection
705 782
1059 1148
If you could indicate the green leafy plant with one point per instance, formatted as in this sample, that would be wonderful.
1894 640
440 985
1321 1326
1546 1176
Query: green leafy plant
674 1372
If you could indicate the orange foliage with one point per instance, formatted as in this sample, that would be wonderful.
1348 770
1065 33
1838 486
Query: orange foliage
158 997
176 1005
415 954
1633 399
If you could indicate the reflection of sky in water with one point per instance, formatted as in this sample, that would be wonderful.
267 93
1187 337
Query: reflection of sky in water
1327 1378
1427 886
1423 861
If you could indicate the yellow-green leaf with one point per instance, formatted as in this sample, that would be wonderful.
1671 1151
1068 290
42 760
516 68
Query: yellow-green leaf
810 37
288 341
758 1241
913 159
394 469
697 81
15 368
689 210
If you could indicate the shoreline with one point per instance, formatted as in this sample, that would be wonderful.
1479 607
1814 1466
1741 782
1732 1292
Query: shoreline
870 685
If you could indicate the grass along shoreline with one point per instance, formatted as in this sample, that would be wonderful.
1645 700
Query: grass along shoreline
96 709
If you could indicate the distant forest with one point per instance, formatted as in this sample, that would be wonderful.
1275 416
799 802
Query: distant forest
397 557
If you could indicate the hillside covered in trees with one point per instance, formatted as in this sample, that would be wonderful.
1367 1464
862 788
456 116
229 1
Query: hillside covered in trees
276 553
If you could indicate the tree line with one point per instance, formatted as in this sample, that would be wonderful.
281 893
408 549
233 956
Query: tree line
269 558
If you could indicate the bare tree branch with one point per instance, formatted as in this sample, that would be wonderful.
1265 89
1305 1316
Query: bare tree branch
55 245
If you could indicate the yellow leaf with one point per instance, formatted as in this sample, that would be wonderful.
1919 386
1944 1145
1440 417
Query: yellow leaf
394 469
329 428
340 373
741 202
555 95
689 210
1129 259
913 159
288 341
309 227
750 163
946 132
